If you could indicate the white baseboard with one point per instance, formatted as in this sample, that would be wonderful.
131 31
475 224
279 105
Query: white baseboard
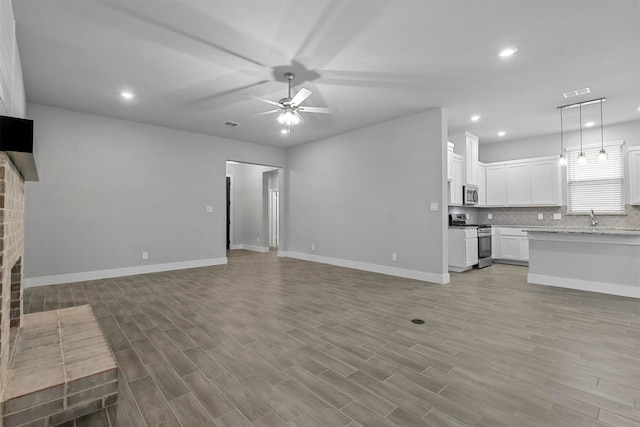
31 282
374 268
249 248
585 285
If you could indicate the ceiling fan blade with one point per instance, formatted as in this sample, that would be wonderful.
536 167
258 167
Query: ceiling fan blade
268 112
321 110
301 96
268 101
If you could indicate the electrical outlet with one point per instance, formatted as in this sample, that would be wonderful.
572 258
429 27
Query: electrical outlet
489 216
258 240
145 255
313 247
394 257
540 216
557 216
434 207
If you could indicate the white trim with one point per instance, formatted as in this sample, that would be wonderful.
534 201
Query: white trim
374 268
596 145
585 285
261 249
31 282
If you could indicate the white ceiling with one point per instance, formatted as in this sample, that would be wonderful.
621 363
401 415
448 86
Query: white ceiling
191 63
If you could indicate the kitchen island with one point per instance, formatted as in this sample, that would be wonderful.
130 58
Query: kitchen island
590 259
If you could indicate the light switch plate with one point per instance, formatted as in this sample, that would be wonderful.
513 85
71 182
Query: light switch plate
557 216
209 209
540 216
489 216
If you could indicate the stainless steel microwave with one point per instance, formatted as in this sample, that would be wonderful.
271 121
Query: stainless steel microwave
470 194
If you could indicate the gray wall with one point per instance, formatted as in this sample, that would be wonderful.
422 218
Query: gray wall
366 194
110 189
247 187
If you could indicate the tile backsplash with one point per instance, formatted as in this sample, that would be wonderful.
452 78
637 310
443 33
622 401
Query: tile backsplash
529 216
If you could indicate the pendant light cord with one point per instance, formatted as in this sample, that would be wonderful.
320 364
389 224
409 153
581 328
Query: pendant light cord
581 153
601 126
561 134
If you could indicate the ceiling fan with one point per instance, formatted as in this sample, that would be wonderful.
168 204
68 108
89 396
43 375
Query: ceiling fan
290 108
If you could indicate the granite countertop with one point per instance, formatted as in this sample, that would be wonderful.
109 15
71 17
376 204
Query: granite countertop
586 230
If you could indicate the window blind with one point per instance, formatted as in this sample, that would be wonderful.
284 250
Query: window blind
597 186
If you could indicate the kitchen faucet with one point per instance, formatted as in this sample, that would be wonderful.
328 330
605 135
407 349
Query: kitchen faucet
594 218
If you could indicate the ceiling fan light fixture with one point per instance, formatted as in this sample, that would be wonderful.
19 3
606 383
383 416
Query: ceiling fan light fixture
288 118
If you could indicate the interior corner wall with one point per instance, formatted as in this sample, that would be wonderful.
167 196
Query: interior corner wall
361 196
549 145
111 189
248 207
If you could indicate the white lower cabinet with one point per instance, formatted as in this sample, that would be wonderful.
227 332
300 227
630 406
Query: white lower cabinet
513 244
634 175
495 249
463 248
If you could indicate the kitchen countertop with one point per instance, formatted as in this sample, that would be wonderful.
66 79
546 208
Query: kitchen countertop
595 230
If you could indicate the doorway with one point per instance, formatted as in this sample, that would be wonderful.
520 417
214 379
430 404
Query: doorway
228 212
253 213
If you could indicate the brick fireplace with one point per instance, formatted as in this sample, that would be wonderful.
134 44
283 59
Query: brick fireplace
11 252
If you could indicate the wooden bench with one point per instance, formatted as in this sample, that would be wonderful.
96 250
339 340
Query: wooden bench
61 369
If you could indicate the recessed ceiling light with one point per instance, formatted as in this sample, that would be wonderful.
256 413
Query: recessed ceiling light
589 124
508 51
284 131
475 118
502 133
638 108
126 94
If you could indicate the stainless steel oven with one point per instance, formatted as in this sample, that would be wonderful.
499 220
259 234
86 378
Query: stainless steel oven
484 246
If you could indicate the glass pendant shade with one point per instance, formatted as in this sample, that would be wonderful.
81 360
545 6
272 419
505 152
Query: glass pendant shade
562 160
582 159
288 118
602 156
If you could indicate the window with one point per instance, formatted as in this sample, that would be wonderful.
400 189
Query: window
597 186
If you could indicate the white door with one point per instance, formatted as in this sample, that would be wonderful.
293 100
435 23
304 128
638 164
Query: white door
274 216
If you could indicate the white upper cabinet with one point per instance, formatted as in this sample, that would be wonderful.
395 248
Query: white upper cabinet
518 184
527 182
449 161
471 159
634 175
545 182
482 185
455 185
496 192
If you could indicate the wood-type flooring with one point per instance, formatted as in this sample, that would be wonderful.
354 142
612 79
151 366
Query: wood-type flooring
267 341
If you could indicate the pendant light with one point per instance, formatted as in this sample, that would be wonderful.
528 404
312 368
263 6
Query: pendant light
602 155
562 160
582 159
